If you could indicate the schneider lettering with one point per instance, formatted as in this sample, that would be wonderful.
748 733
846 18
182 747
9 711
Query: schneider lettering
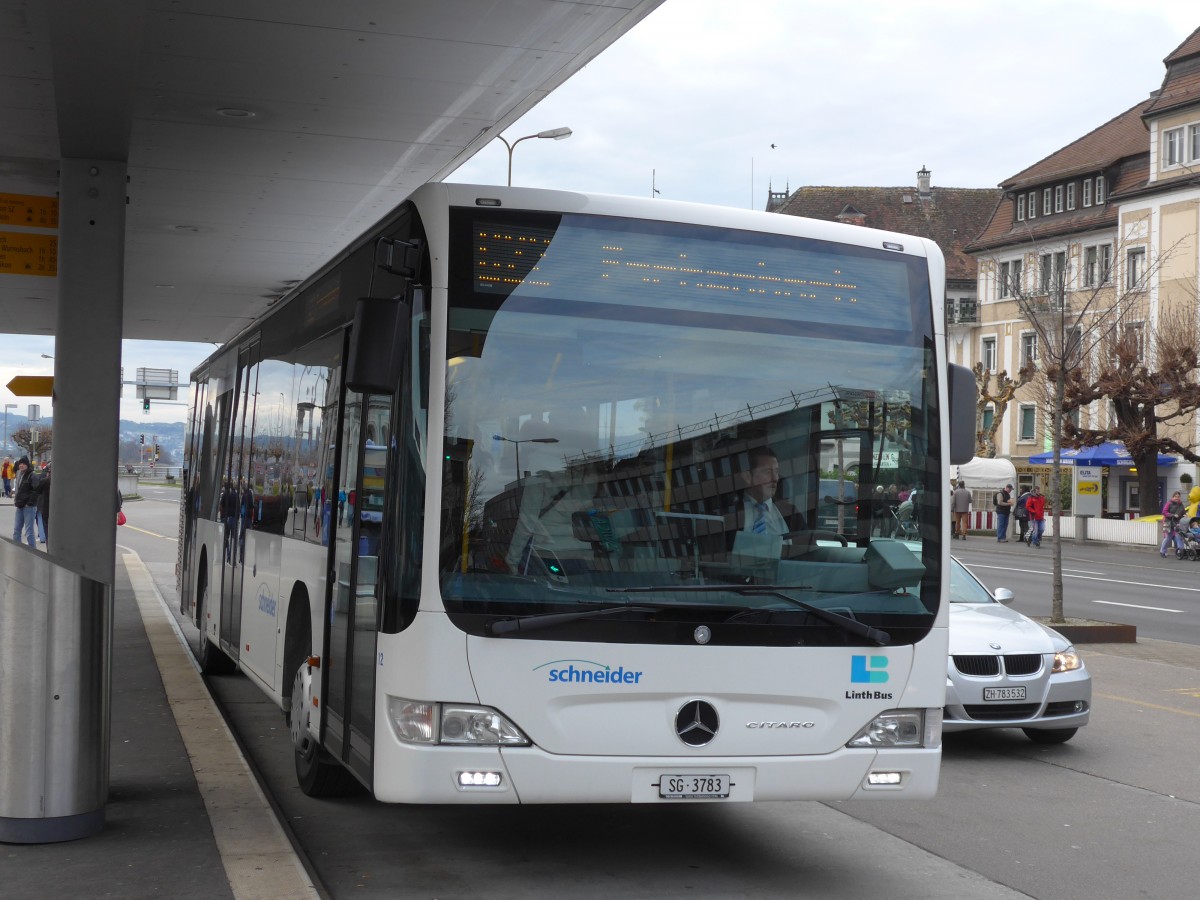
619 675
868 695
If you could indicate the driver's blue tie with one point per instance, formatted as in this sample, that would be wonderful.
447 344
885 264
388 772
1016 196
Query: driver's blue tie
760 518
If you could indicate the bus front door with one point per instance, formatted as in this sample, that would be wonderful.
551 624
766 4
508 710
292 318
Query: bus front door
354 618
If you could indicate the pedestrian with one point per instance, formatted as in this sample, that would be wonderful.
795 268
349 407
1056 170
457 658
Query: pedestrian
227 507
36 481
1021 512
1036 507
6 472
1172 512
41 487
1003 501
961 506
25 503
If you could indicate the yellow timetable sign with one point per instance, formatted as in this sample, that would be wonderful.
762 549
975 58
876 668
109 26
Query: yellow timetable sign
22 253
28 210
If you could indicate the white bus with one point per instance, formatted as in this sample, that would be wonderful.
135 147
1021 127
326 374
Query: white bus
541 497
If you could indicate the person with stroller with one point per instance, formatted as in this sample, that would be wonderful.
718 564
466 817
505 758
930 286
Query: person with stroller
1021 511
1172 512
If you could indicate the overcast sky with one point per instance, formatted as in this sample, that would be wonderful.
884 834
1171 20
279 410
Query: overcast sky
857 93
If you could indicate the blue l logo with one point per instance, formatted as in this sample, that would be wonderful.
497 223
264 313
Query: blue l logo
868 669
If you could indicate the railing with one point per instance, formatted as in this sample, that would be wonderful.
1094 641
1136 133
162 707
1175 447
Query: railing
1108 531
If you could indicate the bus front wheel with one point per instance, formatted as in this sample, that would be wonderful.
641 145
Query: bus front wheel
317 773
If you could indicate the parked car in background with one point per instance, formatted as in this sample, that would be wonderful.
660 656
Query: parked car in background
1007 671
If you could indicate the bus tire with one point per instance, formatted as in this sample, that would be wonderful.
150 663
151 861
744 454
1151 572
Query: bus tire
208 656
317 773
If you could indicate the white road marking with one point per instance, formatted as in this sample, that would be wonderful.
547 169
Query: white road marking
1136 606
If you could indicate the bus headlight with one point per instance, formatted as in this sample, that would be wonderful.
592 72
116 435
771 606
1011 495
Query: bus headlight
894 728
421 722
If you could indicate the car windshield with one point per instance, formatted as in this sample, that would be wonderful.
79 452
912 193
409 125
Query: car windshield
607 429
965 587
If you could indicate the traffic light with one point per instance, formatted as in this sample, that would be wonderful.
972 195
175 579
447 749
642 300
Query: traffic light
156 451
143 439
146 405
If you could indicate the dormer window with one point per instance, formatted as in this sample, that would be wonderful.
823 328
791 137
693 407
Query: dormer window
1071 195
1058 199
1172 154
1021 208
1087 192
1099 189
1033 204
1046 202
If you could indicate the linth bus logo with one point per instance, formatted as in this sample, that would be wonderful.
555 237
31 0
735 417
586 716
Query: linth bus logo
868 669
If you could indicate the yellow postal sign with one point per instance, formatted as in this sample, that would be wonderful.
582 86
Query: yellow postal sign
1089 487
28 210
25 253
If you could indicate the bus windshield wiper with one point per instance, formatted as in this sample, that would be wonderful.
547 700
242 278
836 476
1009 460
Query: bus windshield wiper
853 626
548 620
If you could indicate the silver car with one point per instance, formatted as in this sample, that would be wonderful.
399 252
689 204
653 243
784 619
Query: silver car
1007 671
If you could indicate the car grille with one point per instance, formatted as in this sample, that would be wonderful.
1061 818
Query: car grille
977 665
1014 664
995 712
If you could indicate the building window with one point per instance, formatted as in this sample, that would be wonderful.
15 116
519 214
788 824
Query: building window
1135 269
988 356
1029 348
1058 199
1172 150
1073 351
1135 332
1046 202
1087 192
989 416
1010 278
1071 195
1099 189
1097 264
1033 204
1194 142
1021 208
1027 422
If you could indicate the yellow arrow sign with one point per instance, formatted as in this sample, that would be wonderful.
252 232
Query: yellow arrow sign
32 386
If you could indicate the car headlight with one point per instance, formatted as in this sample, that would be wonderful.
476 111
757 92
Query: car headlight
898 728
421 722
1067 660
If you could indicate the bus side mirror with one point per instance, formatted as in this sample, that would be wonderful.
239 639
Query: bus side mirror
378 345
963 397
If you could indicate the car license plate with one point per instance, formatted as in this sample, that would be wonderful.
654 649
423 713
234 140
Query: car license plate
1009 693
693 787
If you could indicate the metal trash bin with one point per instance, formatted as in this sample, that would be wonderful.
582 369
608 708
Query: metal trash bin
55 679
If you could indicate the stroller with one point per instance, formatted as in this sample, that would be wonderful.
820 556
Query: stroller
905 527
1191 540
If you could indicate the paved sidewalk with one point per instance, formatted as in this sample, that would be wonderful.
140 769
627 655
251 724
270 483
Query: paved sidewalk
185 818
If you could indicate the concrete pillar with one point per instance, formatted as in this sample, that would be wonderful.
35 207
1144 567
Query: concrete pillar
87 364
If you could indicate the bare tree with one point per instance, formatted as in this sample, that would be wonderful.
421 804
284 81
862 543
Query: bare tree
1146 370
1076 305
1006 390
35 447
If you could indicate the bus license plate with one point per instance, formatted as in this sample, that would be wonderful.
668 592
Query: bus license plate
1010 693
693 787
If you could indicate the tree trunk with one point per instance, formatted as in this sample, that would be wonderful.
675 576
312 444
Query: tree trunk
1056 603
1149 501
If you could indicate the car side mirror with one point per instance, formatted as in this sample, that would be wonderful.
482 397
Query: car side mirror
1003 595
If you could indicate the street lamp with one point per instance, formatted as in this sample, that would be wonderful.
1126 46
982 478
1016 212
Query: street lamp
518 443
554 134
7 407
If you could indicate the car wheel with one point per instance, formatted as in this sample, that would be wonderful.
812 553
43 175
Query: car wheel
1050 735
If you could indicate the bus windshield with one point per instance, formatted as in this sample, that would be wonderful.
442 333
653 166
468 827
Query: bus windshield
658 415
